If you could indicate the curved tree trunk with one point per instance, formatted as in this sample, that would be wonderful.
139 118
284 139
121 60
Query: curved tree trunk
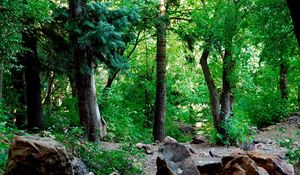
160 99
32 82
213 94
111 77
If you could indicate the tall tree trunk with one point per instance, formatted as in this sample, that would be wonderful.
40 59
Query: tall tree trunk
226 86
213 94
85 83
226 95
283 82
32 82
160 99
294 6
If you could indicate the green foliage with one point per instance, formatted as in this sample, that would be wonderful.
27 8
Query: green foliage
97 158
65 117
266 109
107 30
121 109
6 135
293 153
238 129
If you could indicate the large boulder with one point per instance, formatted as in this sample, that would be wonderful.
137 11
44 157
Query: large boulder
241 165
272 163
256 163
175 158
29 155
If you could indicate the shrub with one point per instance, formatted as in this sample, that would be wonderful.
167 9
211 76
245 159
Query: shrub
99 160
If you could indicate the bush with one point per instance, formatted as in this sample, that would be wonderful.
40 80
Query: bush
293 153
99 160
237 128
6 135
265 109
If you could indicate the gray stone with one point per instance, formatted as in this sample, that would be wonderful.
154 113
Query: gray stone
29 155
175 159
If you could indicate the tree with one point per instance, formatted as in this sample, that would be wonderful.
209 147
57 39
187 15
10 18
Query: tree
218 33
293 6
32 80
160 99
84 79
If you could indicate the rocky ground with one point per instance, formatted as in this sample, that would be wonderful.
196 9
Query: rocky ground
266 140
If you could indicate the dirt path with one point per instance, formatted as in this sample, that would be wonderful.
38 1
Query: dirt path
266 141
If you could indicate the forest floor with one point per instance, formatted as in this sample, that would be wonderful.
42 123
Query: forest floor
267 140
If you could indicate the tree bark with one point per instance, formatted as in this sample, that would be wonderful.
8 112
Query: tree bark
160 99
49 90
226 86
111 77
283 82
32 82
85 83
294 6
147 113
213 94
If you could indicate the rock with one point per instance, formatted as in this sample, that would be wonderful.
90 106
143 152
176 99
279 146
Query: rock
139 145
30 155
248 146
187 129
251 162
297 169
169 139
175 158
115 173
269 128
208 166
148 148
240 165
273 164
79 168
198 139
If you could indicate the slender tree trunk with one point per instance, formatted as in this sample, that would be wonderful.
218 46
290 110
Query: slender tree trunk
147 112
111 77
283 82
85 83
160 100
294 6
49 91
32 82
213 94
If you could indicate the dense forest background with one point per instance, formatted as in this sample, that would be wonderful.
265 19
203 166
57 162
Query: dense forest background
133 71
